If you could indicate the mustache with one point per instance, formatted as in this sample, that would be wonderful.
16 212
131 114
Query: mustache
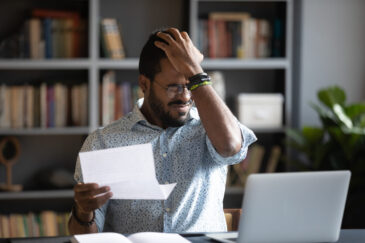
180 102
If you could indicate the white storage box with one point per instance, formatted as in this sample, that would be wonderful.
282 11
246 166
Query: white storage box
260 110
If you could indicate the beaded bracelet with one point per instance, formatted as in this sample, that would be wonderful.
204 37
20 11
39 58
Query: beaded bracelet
88 224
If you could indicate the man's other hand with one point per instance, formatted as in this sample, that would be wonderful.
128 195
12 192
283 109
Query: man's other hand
88 197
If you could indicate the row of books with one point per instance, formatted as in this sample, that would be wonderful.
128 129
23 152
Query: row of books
47 105
117 99
238 35
49 34
253 163
46 223
61 34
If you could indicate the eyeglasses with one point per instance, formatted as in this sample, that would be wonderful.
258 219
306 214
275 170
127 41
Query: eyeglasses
173 90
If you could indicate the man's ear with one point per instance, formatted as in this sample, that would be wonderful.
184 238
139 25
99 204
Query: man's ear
144 84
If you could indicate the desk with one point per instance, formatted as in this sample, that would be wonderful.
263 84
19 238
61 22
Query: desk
347 236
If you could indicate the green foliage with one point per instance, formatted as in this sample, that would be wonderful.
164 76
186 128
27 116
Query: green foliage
339 144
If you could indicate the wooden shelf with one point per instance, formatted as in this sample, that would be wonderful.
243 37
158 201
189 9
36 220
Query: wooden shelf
128 63
234 63
46 131
132 63
219 63
51 194
45 64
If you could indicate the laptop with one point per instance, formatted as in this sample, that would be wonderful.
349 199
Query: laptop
291 207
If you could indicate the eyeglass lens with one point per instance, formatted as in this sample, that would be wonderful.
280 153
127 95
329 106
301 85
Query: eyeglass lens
174 90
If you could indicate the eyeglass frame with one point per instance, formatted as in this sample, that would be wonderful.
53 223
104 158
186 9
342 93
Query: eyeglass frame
181 89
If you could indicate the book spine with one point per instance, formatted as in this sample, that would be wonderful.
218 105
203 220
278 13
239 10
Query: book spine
43 105
50 106
68 36
84 104
5 103
35 38
112 40
47 31
75 104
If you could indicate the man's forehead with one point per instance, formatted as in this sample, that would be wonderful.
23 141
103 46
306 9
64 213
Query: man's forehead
169 74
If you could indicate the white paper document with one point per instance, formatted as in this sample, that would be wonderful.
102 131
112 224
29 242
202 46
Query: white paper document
129 171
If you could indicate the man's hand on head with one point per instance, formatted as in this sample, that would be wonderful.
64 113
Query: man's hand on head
181 52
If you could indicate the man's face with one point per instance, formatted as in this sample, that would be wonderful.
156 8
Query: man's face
172 112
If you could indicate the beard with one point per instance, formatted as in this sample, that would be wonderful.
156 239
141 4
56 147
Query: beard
165 116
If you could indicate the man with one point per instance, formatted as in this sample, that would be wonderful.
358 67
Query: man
191 146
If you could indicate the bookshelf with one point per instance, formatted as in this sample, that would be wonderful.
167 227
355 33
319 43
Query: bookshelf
58 147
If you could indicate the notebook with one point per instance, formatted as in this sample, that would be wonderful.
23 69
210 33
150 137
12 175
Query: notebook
291 207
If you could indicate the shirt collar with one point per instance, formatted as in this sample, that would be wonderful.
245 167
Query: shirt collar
136 116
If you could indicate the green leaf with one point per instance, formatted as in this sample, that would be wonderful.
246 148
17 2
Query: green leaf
355 110
331 96
326 116
341 116
353 130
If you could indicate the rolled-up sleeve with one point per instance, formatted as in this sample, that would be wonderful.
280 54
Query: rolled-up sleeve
248 137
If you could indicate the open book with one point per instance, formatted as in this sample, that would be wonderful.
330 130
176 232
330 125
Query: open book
150 237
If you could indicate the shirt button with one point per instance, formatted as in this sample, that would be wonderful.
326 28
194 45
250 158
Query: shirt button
167 209
164 155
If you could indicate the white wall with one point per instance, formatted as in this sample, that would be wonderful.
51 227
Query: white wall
332 51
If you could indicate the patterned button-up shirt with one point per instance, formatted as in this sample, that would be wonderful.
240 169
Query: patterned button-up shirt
184 155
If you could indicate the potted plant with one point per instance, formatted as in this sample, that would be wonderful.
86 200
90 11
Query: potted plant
338 144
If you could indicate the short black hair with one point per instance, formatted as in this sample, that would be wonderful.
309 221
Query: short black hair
151 55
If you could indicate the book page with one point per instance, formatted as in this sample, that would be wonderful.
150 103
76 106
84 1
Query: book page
100 237
156 237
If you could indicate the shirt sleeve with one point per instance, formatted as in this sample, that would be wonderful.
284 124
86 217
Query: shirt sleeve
248 137
100 216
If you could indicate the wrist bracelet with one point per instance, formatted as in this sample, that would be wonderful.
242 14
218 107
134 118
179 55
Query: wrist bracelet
198 80
200 84
88 224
